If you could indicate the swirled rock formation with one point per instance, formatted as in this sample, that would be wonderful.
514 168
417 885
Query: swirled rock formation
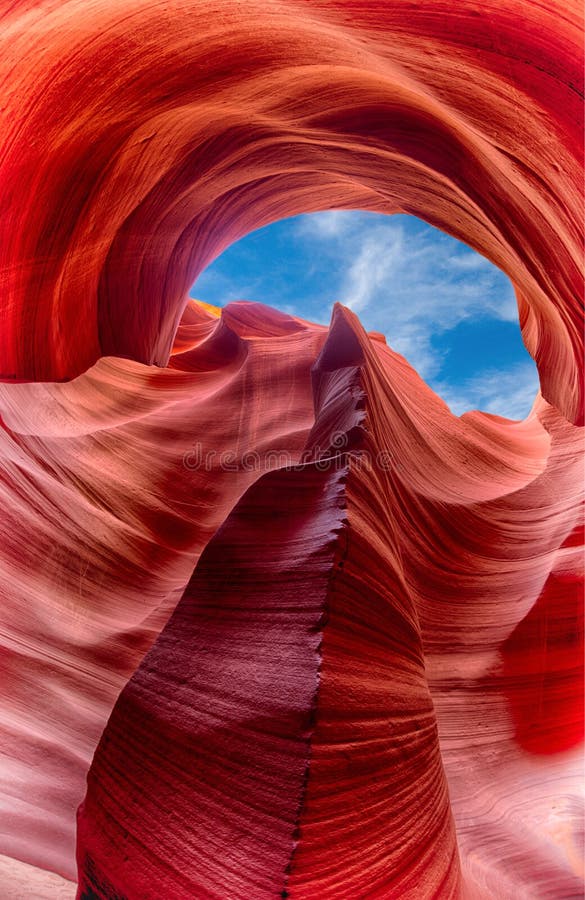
112 484
362 616
333 666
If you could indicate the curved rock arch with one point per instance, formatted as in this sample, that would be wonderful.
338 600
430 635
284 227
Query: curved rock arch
143 138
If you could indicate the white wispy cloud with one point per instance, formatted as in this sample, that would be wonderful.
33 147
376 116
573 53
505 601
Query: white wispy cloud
509 393
379 258
216 286
324 225
409 281
411 288
468 262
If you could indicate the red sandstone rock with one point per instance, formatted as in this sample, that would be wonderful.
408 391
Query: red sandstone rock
111 485
280 734
137 140
434 607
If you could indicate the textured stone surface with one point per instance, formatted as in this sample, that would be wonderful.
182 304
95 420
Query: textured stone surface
413 717
441 652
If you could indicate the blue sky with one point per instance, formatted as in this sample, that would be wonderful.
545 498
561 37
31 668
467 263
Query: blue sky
448 310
